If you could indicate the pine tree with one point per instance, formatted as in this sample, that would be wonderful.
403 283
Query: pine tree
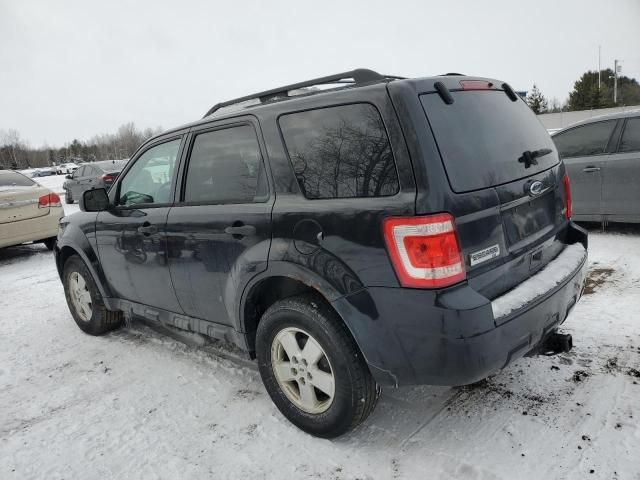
537 101
597 97
585 95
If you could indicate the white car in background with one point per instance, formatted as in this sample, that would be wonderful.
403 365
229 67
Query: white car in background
66 168
29 212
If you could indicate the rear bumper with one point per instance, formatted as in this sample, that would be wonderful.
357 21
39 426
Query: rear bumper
32 229
451 337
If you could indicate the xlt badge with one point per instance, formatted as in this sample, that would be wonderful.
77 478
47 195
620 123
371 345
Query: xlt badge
483 255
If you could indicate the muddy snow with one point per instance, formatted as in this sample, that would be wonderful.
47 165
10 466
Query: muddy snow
138 404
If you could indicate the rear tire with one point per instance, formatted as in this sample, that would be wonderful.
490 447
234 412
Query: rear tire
326 389
84 299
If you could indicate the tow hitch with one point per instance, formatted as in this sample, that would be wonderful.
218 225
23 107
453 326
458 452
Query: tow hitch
553 344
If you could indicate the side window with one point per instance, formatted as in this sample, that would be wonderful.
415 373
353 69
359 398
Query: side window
590 139
340 152
631 136
149 179
79 173
225 166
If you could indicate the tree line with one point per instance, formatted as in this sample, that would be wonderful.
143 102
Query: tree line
16 153
587 95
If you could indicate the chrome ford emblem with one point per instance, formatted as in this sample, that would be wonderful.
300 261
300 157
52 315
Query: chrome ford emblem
536 188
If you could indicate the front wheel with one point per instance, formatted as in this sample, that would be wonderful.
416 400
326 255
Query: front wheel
67 197
312 367
85 301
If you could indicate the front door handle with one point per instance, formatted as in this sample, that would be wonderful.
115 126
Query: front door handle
241 230
591 169
147 229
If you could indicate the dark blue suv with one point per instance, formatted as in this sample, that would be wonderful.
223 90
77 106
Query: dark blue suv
350 232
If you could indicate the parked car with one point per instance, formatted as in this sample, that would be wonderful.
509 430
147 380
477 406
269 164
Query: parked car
384 232
28 211
42 172
91 175
602 157
66 168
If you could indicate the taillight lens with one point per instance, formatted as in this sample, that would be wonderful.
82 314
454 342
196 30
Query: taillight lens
424 251
108 178
49 200
567 196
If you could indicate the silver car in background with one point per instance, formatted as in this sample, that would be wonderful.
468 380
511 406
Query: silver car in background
91 175
602 157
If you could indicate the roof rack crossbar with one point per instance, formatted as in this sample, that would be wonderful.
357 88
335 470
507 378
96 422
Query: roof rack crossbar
359 76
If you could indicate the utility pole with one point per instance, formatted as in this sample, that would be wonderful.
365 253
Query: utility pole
599 69
615 82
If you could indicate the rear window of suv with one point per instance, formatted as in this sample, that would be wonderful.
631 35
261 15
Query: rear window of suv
482 137
340 152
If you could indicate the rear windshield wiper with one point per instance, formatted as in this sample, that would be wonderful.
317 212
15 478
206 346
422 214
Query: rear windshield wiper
529 158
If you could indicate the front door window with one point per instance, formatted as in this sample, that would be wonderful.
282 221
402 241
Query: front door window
149 179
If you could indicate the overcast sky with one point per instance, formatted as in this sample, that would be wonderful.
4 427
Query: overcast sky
72 69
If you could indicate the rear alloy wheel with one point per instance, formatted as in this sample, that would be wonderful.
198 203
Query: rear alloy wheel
303 374
85 301
312 368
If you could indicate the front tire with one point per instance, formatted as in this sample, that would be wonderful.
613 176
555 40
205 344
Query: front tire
84 299
312 367
67 197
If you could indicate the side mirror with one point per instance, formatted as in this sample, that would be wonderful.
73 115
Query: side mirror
95 200
68 177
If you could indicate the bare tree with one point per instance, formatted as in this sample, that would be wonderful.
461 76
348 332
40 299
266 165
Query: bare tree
16 153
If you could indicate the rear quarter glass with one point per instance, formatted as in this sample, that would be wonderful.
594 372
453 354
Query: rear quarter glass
483 134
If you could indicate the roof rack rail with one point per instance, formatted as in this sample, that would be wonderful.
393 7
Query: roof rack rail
359 76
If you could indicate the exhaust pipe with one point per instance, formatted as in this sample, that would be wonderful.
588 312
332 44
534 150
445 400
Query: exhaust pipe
555 343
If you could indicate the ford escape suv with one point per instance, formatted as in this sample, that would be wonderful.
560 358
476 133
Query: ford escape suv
349 232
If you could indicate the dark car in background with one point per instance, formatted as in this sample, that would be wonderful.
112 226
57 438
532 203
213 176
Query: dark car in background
602 157
91 175
383 232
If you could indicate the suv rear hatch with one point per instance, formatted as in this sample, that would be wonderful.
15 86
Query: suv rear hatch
505 178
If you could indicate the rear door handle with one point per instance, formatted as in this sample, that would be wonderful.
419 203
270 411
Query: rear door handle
147 229
591 169
241 230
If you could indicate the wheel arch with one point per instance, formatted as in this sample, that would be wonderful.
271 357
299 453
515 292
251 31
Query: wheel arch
277 283
89 257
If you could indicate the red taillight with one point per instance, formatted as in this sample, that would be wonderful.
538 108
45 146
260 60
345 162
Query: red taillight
476 85
49 200
108 178
424 251
567 196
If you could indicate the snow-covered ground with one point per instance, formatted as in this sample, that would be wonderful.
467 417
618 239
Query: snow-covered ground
138 404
